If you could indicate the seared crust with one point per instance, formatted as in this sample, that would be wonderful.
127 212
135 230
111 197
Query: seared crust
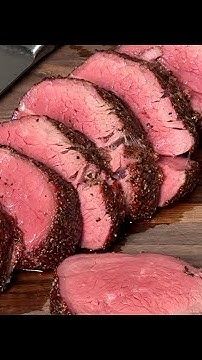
84 145
114 204
11 247
173 90
192 179
57 304
65 233
146 175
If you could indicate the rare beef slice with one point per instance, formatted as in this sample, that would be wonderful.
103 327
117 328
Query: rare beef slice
46 209
118 284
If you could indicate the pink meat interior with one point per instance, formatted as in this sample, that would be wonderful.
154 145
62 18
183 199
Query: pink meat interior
75 103
97 223
140 89
27 195
126 284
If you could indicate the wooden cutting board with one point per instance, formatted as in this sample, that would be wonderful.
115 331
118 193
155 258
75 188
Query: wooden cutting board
175 231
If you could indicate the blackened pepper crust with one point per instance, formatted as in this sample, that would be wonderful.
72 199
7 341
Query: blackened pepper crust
66 230
187 271
57 304
85 146
192 179
114 202
59 307
11 246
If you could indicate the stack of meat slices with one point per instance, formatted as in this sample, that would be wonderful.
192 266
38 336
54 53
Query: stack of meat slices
120 140
74 158
156 98
114 140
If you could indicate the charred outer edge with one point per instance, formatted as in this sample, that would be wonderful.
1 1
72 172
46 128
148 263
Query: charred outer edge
12 246
84 145
57 246
192 179
57 304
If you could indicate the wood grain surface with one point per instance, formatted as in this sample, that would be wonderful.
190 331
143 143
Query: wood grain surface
175 231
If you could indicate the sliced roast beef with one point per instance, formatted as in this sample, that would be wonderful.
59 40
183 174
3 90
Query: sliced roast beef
111 284
67 152
45 207
185 61
110 125
162 109
181 175
11 247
